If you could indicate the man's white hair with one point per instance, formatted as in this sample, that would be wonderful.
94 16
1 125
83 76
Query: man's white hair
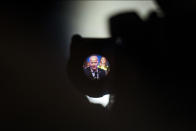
93 56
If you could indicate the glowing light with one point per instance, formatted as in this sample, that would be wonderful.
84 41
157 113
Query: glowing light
104 100
90 18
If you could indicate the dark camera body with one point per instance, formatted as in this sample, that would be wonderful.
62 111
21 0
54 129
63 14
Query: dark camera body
81 48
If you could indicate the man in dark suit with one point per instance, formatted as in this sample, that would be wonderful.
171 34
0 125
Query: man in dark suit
93 72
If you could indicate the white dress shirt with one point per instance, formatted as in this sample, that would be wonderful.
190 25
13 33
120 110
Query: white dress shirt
93 74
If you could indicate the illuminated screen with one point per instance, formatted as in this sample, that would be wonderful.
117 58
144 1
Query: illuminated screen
96 67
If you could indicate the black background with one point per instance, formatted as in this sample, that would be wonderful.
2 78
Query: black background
154 90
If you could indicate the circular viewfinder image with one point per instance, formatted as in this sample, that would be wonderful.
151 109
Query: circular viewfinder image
96 67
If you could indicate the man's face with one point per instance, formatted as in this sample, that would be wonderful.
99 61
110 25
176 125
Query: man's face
93 62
